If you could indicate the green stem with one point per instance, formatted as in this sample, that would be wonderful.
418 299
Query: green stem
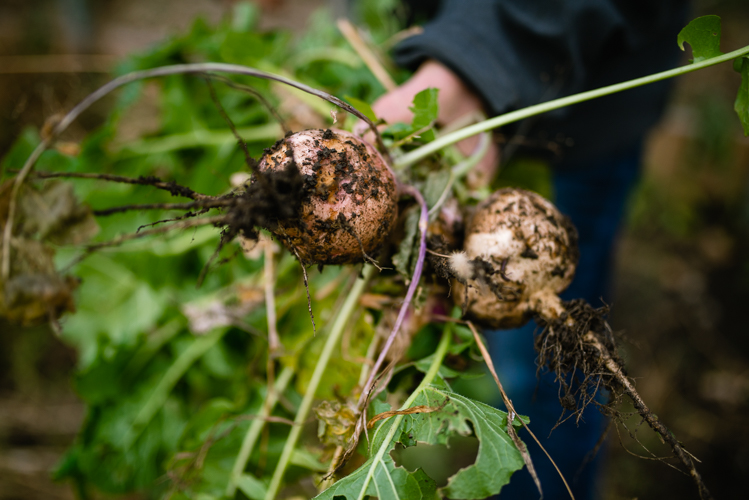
339 325
434 368
256 427
416 155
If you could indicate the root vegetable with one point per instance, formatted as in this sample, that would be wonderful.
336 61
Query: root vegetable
349 200
520 252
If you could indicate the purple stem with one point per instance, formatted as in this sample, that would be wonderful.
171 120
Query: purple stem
423 222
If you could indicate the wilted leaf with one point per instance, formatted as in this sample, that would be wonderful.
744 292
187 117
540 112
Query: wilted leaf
29 298
54 214
228 307
435 186
403 259
335 423
35 291
703 34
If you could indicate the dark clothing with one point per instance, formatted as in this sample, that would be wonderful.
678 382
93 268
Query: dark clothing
516 53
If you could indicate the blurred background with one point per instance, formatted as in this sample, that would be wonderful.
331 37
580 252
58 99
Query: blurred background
682 275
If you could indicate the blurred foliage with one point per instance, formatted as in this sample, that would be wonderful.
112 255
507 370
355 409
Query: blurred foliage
171 374
154 386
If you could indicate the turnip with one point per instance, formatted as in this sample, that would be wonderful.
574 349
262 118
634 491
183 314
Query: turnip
348 204
519 253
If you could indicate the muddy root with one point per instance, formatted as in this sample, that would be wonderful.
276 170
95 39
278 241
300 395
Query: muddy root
580 347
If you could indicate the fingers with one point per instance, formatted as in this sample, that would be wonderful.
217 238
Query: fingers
455 100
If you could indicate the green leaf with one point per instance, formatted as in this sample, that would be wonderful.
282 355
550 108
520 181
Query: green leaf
446 372
303 458
204 421
252 487
497 456
388 481
703 34
362 106
163 388
741 106
425 110
398 131
245 16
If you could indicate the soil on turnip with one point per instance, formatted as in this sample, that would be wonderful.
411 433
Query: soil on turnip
346 205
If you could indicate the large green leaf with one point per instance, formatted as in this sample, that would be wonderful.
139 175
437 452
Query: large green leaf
457 415
383 479
498 457
703 34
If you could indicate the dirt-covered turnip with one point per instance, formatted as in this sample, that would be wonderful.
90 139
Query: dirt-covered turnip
519 253
349 199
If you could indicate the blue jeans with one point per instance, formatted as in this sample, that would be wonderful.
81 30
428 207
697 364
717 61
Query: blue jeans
593 196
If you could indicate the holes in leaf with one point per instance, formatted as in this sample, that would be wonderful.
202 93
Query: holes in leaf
440 462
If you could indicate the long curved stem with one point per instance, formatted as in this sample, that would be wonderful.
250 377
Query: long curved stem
176 69
339 325
446 140
418 268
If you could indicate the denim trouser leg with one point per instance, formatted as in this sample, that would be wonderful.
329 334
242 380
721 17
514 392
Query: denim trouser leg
593 196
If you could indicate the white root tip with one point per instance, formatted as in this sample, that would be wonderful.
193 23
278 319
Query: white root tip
461 266
547 304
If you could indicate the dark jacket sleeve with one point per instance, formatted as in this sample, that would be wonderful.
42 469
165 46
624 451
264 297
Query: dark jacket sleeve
516 53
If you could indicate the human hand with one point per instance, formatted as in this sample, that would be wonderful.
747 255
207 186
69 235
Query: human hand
455 101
